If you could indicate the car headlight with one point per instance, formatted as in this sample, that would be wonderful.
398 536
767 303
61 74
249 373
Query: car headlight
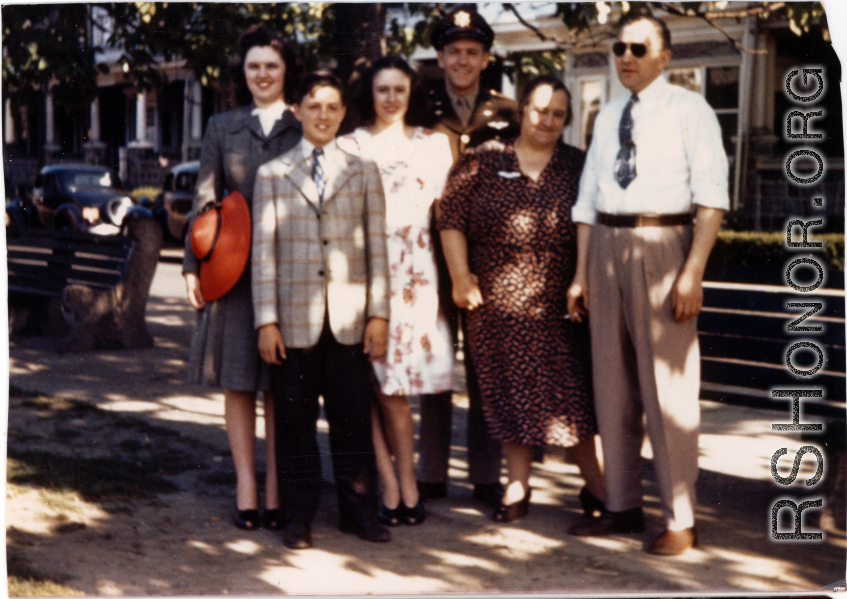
91 214
118 208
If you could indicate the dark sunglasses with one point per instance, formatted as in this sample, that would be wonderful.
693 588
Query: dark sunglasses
638 50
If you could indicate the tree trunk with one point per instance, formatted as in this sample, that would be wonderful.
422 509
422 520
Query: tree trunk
360 40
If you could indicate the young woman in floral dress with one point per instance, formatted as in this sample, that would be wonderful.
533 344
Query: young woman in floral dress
414 164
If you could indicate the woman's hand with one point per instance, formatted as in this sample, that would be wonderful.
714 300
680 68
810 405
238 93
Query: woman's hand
578 299
376 338
270 342
466 291
192 285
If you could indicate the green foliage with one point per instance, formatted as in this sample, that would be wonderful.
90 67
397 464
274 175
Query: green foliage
205 35
49 42
748 248
45 43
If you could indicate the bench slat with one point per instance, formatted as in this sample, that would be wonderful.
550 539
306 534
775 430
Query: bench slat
757 301
24 259
767 328
37 275
764 377
769 352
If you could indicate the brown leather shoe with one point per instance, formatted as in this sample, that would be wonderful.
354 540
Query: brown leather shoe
674 542
610 523
297 535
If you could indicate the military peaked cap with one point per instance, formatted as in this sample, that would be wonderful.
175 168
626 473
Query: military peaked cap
461 24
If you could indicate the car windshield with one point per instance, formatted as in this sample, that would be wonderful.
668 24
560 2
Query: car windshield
89 180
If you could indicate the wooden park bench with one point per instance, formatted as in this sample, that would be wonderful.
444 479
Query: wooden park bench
100 284
744 339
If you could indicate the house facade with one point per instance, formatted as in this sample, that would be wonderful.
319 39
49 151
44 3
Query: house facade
140 134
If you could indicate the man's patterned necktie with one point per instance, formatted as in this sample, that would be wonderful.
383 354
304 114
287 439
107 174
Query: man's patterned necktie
318 172
625 162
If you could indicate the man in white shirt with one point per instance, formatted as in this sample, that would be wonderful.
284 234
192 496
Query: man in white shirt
654 153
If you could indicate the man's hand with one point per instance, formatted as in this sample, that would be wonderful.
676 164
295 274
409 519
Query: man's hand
376 338
466 292
192 286
578 299
687 296
271 346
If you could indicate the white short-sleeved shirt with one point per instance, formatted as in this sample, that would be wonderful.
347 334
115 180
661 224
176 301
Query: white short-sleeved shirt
680 158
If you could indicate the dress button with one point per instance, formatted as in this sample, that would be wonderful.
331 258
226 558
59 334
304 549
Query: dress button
326 241
465 139
321 273
265 146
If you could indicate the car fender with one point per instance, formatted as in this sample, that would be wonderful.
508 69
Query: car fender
71 214
17 216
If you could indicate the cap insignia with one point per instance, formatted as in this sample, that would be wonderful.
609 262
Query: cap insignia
462 19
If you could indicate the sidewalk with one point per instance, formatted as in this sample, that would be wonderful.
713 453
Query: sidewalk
181 541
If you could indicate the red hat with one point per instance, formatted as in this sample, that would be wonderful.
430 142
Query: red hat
220 238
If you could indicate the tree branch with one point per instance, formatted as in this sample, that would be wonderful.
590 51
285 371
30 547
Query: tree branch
541 35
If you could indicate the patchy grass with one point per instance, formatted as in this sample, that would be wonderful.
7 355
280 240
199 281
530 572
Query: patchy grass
95 479
26 581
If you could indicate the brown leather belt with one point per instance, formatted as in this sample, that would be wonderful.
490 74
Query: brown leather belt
643 220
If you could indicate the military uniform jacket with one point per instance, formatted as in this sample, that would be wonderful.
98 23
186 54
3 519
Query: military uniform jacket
309 259
494 117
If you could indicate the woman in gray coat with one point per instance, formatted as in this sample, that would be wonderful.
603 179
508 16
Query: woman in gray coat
224 350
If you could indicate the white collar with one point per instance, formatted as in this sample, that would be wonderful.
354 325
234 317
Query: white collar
329 149
269 115
652 91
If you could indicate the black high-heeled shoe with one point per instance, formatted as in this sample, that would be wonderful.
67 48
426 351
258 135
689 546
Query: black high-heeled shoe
412 516
390 517
513 511
272 519
590 503
247 519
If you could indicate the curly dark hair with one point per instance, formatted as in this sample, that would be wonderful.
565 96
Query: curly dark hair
418 102
537 82
260 36
319 79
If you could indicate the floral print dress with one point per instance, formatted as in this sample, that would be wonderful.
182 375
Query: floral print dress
419 359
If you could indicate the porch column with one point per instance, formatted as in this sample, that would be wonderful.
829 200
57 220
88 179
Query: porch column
95 120
50 146
8 123
140 122
96 151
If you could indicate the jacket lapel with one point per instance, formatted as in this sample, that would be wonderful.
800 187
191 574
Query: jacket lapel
338 175
300 174
287 121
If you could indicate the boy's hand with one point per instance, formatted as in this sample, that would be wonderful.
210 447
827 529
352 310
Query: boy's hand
376 338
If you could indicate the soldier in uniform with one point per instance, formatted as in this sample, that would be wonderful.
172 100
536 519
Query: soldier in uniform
469 115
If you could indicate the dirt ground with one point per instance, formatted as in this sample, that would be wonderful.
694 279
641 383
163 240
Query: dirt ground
120 482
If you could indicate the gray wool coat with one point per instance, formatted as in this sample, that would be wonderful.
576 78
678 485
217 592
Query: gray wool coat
224 351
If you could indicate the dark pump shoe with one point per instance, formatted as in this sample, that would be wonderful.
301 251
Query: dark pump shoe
491 494
247 519
296 535
674 542
428 491
610 523
367 530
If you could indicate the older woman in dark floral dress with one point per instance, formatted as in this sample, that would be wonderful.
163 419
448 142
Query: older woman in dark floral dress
511 249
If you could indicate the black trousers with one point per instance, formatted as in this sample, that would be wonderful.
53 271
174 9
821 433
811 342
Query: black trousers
341 373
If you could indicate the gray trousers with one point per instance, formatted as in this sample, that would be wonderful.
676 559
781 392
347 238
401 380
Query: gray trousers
484 455
645 363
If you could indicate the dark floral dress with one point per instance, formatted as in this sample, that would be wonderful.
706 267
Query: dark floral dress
533 364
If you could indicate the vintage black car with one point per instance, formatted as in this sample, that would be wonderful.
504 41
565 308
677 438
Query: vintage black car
178 196
79 197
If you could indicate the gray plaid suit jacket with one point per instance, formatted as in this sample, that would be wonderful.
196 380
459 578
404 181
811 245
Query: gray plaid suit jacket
308 260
